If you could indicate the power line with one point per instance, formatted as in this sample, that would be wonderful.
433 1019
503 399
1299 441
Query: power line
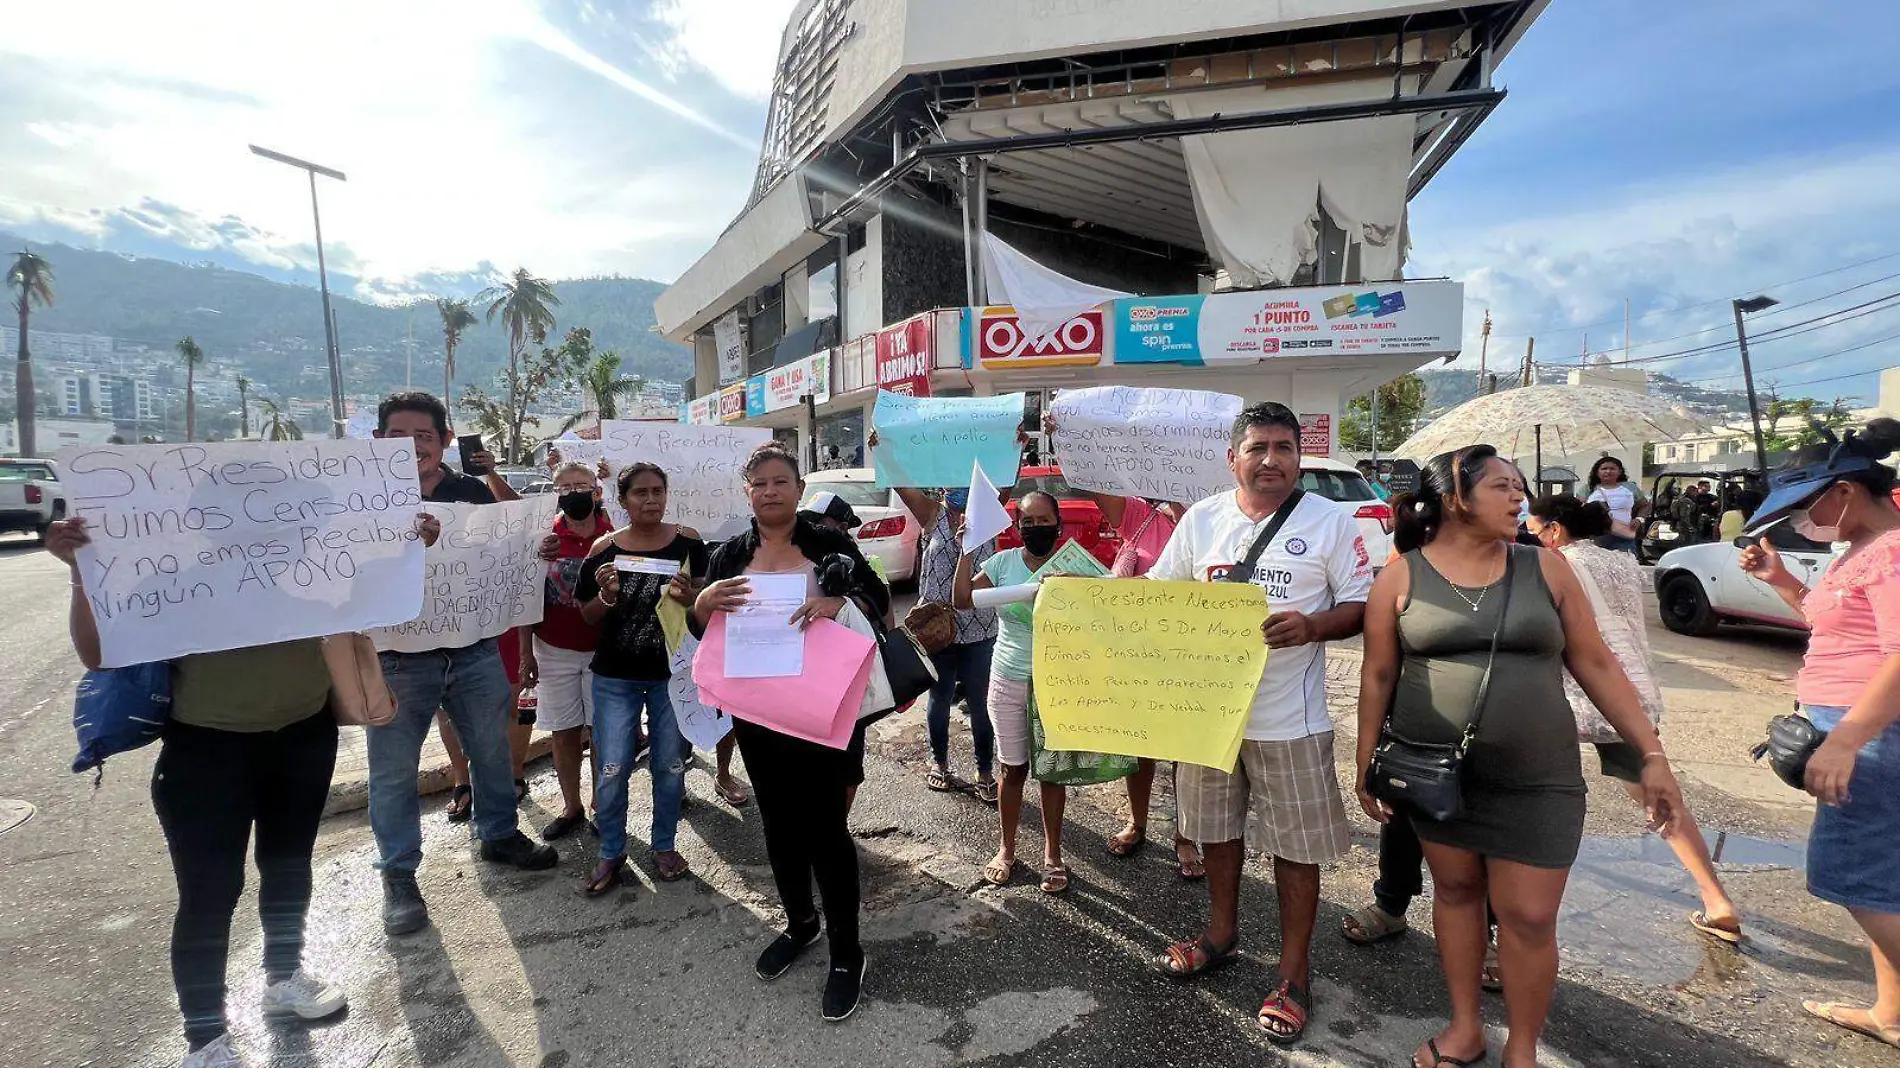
1777 311
1801 363
1556 328
1782 333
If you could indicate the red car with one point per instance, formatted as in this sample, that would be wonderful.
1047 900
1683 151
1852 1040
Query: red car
1082 521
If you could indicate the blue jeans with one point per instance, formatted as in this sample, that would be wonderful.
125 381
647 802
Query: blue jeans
617 707
968 663
472 687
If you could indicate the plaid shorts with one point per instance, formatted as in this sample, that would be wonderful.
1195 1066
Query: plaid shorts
1290 789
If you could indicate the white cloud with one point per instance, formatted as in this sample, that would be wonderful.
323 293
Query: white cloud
736 41
1678 250
470 131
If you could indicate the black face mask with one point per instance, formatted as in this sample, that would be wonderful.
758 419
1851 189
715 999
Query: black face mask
579 504
1041 541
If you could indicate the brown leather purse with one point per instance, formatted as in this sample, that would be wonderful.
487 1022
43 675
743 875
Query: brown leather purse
359 695
933 626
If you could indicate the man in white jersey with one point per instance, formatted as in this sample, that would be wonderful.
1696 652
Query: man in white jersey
1284 793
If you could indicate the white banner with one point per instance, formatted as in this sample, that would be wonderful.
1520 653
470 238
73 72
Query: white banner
1162 444
199 548
705 490
729 339
485 576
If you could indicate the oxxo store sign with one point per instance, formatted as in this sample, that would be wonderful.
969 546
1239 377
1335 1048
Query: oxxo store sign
1001 343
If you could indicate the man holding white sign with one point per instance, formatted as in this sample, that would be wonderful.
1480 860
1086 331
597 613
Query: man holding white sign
463 675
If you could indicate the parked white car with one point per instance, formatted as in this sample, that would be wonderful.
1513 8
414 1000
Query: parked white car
889 532
1700 587
1342 484
31 496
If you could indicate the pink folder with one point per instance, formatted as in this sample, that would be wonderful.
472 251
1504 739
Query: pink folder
820 705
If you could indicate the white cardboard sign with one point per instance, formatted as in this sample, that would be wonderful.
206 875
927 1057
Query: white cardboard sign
702 726
1132 441
485 576
705 490
203 547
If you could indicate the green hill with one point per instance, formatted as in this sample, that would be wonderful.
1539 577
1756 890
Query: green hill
272 330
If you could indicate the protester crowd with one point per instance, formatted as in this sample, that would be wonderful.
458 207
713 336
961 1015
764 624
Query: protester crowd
1487 664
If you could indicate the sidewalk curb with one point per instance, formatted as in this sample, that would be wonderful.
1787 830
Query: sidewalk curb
352 794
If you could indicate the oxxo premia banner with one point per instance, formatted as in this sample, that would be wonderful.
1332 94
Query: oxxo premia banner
1369 320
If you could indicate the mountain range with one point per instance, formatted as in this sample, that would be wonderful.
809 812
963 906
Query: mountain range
272 330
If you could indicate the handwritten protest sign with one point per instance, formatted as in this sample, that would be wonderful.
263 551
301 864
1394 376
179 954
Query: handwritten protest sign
705 490
700 724
1165 670
1163 444
198 548
933 441
485 576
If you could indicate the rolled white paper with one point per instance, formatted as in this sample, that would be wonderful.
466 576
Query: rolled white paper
998 596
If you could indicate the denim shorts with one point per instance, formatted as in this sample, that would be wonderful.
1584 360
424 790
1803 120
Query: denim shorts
1851 856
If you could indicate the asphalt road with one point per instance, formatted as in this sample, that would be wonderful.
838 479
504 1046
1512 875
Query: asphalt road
520 970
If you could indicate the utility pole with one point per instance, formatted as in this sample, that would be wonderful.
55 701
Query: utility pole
1746 307
1484 348
337 417
1626 330
1530 346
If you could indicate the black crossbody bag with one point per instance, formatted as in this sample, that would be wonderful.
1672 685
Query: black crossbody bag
1426 777
1244 571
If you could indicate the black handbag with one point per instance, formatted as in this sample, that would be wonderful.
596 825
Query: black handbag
1426 777
906 665
1791 742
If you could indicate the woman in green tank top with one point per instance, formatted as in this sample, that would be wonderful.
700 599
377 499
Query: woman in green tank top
1431 623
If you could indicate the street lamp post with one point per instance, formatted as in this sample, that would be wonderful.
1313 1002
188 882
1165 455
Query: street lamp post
337 415
1749 306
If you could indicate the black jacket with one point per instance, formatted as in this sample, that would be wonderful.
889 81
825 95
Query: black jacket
732 556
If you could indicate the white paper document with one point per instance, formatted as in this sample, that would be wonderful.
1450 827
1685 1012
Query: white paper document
761 642
646 565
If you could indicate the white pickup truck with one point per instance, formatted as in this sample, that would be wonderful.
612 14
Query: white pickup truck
31 496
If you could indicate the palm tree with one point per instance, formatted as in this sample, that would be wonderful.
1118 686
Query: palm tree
525 303
273 426
455 318
244 406
33 277
193 358
601 381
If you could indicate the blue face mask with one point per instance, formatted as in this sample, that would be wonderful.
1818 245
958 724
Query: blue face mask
957 499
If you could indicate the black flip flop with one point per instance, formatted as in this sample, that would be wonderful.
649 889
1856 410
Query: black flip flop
465 797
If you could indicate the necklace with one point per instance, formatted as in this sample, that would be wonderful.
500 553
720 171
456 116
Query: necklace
1474 604
1482 593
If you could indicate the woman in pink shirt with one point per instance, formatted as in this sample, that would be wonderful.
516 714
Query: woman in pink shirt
1849 686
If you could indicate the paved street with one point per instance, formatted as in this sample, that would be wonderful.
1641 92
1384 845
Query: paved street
520 970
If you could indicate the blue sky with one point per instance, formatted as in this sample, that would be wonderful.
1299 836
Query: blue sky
1674 154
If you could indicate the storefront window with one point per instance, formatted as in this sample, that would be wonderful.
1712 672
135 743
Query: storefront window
841 441
824 292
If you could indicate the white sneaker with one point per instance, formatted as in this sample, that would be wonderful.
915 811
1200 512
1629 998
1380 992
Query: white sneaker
304 995
219 1054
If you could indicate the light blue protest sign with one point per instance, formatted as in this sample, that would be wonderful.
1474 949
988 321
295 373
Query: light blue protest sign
931 442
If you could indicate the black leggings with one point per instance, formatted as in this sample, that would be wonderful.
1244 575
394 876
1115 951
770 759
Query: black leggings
803 792
209 788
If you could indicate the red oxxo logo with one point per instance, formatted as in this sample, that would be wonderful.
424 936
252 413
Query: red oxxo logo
1002 339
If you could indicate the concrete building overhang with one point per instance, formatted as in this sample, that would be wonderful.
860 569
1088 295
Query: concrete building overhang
1116 162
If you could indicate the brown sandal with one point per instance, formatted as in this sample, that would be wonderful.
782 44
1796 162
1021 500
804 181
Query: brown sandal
998 873
670 866
1055 879
608 875
1128 842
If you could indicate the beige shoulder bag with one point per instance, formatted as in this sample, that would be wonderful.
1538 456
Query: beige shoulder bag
359 696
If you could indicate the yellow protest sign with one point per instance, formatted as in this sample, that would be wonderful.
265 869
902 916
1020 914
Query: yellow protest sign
1165 670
